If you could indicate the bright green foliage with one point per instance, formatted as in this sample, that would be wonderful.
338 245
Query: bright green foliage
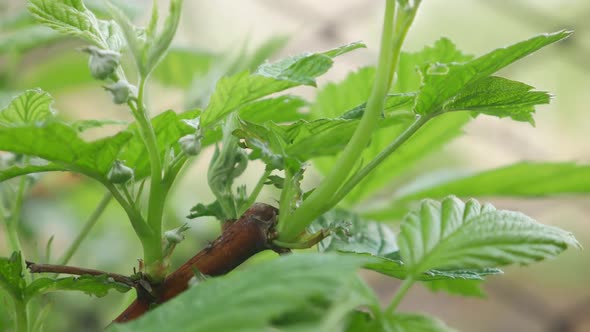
434 135
83 125
29 107
448 245
148 47
452 234
18 170
499 97
284 108
160 43
98 286
442 82
461 287
252 299
338 99
350 233
393 102
402 322
11 279
235 91
168 127
408 72
303 140
415 323
299 141
71 17
59 143
179 66
392 265
525 179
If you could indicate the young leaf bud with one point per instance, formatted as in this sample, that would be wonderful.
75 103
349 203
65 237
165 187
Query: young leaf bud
122 91
119 173
102 63
190 144
174 236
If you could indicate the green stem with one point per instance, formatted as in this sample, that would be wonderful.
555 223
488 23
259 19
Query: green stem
153 255
399 295
255 192
22 321
318 202
143 231
128 195
361 174
102 205
14 218
172 171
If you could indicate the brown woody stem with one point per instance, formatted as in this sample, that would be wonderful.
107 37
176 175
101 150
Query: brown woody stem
79 271
252 233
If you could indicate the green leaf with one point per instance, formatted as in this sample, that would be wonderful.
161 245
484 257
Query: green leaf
443 81
350 233
72 18
59 143
524 179
234 91
300 141
408 69
18 170
11 275
392 265
453 235
309 139
499 97
393 102
83 125
398 322
179 67
137 46
353 235
322 315
346 99
310 278
158 47
98 286
30 107
277 109
461 287
362 321
434 135
404 322
112 35
207 210
268 144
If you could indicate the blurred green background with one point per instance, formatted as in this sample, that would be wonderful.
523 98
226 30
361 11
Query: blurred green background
217 37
